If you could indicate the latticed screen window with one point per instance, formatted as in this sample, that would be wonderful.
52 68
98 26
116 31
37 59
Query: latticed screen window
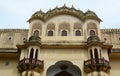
77 33
50 33
64 33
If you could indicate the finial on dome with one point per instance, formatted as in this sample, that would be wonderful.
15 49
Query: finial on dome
56 6
40 9
64 4
49 9
72 6
41 12
88 9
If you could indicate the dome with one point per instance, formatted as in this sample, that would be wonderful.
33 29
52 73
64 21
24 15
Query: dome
91 15
64 10
34 39
93 39
37 15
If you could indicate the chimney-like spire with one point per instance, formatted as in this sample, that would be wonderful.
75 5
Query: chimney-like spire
72 6
64 4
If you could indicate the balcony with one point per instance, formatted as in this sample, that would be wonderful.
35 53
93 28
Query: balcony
28 64
96 65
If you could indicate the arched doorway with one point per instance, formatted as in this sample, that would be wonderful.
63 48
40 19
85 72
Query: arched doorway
63 68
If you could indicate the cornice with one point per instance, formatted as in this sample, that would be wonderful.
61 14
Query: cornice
110 30
13 30
64 10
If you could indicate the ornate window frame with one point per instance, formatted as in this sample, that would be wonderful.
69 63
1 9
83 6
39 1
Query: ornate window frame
52 31
76 30
90 30
65 30
35 30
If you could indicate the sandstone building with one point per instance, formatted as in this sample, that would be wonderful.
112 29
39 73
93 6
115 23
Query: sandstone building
63 41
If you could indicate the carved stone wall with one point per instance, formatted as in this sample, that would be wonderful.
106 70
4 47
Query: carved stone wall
9 38
111 36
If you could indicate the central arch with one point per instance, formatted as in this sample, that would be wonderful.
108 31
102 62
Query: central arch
63 68
63 73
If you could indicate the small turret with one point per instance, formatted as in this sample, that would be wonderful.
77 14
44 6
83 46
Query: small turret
97 64
30 63
34 39
93 39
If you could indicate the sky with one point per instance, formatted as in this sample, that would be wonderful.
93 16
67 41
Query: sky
15 13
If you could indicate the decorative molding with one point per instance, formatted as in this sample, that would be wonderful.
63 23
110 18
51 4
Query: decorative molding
64 10
110 30
13 30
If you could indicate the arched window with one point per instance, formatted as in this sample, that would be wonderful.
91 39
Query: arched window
77 33
64 33
92 33
91 55
31 53
36 33
96 53
36 54
50 33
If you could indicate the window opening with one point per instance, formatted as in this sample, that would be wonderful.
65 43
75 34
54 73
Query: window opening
36 54
78 33
36 33
31 53
105 39
10 38
50 33
64 33
92 33
91 55
96 53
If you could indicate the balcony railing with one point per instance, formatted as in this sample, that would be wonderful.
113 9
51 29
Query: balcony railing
28 63
96 64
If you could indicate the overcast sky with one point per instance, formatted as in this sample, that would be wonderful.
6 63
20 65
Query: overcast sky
15 13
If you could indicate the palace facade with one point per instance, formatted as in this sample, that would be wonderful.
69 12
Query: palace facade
63 41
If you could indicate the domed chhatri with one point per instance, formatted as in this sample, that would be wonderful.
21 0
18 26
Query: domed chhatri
93 39
64 10
90 13
34 39
37 15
